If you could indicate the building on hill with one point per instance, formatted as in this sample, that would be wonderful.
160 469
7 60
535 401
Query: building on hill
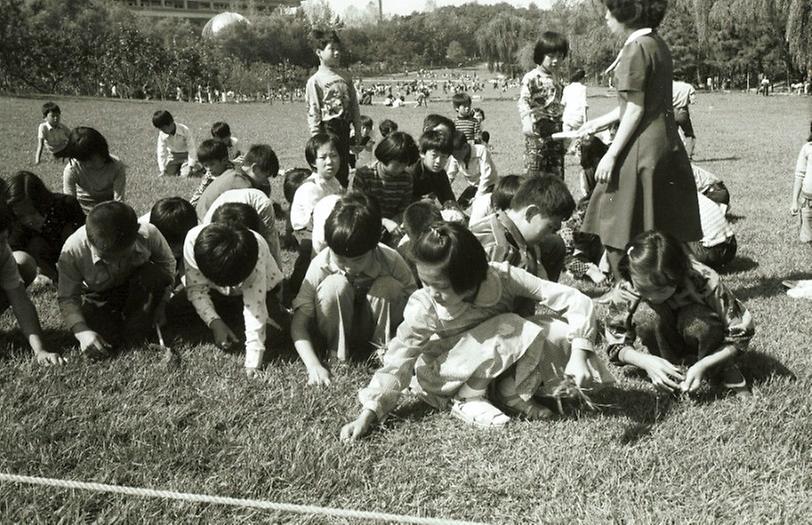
202 8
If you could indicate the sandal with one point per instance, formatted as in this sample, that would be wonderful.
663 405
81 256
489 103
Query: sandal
479 412
530 410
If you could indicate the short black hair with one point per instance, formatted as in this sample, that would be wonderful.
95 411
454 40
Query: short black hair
463 258
320 38
461 99
418 216
315 142
387 126
353 228
174 217
458 140
578 75
548 193
26 185
658 256
397 146
433 120
635 14
211 149
294 178
238 214
263 157
111 226
226 255
84 143
162 118
548 43
366 121
50 107
592 151
220 130
504 191
436 140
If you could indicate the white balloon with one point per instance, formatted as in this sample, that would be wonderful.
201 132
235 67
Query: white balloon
222 21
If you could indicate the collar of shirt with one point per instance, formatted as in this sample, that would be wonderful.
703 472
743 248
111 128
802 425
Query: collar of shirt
372 270
643 31
138 247
511 228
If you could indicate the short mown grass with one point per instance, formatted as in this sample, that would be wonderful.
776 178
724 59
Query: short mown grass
205 428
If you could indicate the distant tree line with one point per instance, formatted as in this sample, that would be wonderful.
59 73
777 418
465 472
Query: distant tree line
69 46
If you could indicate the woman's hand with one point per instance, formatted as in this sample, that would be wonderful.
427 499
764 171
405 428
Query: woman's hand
603 174
359 428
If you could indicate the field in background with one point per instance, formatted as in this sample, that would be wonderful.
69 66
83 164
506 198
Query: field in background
205 428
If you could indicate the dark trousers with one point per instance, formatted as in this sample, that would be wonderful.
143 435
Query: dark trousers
718 193
128 309
717 256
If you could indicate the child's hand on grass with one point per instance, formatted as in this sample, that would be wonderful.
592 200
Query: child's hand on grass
578 368
664 375
46 358
251 373
93 344
223 336
359 428
318 376
693 378
793 208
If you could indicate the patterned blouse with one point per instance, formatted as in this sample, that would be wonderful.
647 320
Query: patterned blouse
702 286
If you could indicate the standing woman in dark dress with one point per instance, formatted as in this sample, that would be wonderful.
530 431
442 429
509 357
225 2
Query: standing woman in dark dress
644 180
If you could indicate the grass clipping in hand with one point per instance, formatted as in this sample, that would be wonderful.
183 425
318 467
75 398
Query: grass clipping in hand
567 389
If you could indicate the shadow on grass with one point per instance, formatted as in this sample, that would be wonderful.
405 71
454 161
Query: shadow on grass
646 408
717 159
740 264
732 218
768 286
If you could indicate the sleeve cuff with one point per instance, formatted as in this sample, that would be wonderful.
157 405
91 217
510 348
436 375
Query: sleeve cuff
581 343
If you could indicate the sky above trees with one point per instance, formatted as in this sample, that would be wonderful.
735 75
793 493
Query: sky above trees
405 7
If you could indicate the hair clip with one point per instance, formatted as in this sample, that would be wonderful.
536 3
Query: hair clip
629 251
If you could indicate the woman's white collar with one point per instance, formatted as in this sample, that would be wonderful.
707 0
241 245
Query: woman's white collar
643 31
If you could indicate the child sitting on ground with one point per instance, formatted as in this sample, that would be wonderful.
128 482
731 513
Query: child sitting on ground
691 317
711 187
459 336
354 292
17 270
231 261
484 136
52 134
174 217
718 244
222 132
113 275
524 234
263 207
417 218
429 178
387 127
465 121
92 175
322 155
389 182
489 203
43 221
474 164
176 151
259 166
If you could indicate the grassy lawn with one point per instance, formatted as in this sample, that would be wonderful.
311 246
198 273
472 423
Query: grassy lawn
205 428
